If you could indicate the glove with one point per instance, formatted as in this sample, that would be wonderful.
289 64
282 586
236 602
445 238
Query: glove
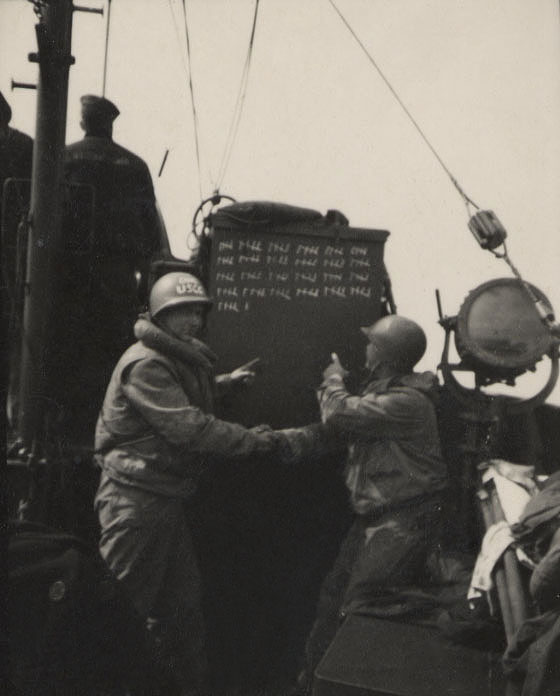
308 442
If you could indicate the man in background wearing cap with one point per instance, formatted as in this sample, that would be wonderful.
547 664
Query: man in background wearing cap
104 273
155 436
394 473
126 221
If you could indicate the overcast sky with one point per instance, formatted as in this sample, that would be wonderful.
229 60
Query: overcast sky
320 128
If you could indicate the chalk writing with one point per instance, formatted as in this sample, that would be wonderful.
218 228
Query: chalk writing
362 292
333 251
278 247
227 292
254 292
364 277
226 261
307 292
228 307
279 259
308 277
335 291
361 263
254 245
226 277
334 263
358 251
226 246
251 275
306 262
307 249
283 293
332 277
254 258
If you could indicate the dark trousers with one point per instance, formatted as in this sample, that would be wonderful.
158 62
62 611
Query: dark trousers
378 555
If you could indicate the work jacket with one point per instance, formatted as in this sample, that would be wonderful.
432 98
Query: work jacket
393 441
156 428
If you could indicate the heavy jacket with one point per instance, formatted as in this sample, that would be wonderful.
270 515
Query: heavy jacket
124 195
156 427
393 441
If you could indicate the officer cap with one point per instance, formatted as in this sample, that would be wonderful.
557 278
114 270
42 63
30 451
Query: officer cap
98 107
5 110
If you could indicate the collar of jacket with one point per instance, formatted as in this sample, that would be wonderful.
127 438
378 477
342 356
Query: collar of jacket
425 382
191 351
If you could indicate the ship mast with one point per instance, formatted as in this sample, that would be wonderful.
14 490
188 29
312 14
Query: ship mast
54 32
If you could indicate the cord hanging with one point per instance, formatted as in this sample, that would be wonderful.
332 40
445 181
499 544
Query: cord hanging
468 201
236 118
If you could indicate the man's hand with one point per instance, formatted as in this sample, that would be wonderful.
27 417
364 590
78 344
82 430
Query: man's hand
244 374
335 368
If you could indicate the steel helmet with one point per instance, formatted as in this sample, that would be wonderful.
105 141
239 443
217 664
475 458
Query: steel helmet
174 289
398 341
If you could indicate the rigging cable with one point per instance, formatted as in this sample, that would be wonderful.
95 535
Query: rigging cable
454 181
188 75
191 89
236 118
106 46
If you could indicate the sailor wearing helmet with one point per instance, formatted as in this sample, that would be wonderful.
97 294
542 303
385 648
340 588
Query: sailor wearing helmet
154 435
395 475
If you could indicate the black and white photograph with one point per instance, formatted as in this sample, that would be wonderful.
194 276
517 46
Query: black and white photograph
280 337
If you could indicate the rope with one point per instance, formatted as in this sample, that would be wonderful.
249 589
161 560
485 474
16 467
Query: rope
454 181
236 118
191 89
188 76
106 46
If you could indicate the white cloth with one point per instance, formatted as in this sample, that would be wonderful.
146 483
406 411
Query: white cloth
496 540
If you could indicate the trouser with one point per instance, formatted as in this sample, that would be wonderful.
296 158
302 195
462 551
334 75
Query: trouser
146 542
378 555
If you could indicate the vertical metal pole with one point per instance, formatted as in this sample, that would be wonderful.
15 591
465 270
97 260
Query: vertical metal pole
54 33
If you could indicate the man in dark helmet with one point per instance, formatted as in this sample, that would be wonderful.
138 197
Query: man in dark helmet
394 473
155 435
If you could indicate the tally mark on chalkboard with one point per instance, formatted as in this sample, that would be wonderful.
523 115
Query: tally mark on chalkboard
251 275
363 292
307 292
278 247
364 277
332 277
335 291
227 292
228 307
253 258
276 275
307 277
278 259
334 263
306 262
226 261
283 293
250 245
226 277
226 245
362 263
333 251
358 251
254 292
307 249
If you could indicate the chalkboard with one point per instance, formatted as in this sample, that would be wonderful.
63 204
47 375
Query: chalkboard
290 294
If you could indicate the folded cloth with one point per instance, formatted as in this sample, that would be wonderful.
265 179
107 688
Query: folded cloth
496 540
515 485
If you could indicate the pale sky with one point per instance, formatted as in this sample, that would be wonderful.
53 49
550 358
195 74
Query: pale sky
320 128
